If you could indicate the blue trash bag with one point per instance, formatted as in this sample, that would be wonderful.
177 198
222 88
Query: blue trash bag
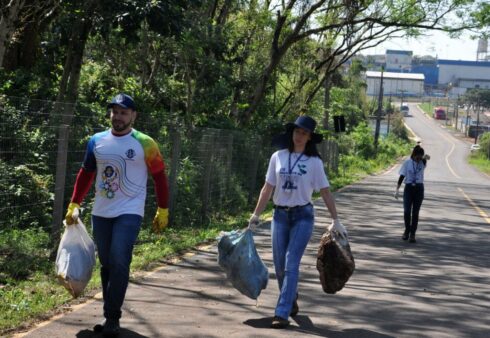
238 256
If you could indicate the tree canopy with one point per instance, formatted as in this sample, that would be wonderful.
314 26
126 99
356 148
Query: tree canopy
221 62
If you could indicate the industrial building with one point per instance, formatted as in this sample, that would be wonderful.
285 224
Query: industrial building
458 76
440 77
395 84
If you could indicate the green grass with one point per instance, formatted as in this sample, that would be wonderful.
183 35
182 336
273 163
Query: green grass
427 107
480 161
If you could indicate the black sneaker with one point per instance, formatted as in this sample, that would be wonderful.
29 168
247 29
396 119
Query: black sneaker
405 235
412 239
111 328
99 327
279 323
295 308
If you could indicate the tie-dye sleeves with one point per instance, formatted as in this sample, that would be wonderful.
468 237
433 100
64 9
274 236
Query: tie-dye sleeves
156 167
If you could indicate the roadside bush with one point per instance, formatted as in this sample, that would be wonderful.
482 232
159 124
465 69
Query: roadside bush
23 252
485 145
188 204
398 127
25 200
363 140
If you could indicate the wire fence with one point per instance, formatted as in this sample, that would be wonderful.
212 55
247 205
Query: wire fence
212 172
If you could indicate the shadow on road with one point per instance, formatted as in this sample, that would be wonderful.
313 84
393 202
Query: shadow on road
124 333
306 326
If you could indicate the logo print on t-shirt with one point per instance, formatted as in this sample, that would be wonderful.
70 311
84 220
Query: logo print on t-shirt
302 168
130 153
109 184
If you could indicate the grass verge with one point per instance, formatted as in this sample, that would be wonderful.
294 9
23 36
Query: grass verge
480 161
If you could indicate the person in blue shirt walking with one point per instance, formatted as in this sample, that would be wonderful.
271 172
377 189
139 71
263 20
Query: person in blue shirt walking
412 172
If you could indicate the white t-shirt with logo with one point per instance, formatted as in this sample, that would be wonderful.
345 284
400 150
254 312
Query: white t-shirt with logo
122 164
295 177
413 171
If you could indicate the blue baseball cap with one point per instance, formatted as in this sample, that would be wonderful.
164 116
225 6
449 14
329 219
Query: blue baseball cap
122 100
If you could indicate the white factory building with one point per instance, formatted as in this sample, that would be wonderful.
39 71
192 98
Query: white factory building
395 84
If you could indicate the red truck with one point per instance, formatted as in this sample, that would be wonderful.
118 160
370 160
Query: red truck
439 113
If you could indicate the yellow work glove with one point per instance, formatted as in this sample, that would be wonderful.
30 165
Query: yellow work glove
72 213
161 220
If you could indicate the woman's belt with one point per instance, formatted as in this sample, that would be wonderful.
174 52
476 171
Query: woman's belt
290 208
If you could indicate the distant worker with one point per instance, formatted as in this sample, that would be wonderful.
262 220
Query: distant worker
412 171
120 160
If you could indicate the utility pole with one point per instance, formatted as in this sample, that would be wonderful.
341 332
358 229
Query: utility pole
456 112
477 121
378 114
401 100
388 112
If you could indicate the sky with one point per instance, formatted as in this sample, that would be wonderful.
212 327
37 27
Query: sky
436 44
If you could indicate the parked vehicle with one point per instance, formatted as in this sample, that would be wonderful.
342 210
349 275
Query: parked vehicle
474 131
439 113
474 147
404 109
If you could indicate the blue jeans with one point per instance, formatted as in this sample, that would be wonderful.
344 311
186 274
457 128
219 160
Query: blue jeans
291 231
115 238
412 201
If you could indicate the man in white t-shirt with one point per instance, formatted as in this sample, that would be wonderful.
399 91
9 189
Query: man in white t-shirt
119 159
294 173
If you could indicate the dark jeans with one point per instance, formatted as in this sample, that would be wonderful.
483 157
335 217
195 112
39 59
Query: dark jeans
413 195
115 238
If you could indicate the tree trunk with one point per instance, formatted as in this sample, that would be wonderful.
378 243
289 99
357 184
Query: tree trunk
23 53
327 85
8 17
68 92
35 16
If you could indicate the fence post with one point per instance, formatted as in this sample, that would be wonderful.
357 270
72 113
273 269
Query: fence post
254 166
208 151
229 160
59 187
174 172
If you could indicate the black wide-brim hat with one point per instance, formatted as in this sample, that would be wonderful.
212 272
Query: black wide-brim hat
305 122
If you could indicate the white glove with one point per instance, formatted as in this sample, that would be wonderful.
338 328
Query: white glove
253 222
338 227
397 192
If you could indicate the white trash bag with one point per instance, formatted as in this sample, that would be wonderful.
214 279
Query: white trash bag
75 259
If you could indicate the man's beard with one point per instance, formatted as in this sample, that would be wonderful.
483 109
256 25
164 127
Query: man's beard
120 126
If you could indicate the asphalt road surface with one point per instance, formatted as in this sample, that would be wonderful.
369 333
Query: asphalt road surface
437 287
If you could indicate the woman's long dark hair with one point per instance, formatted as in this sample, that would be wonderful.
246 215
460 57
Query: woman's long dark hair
418 150
310 147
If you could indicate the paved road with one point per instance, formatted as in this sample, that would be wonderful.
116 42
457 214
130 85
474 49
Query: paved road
437 287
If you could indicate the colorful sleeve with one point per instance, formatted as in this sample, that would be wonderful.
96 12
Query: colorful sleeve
161 189
153 157
82 185
156 167
89 162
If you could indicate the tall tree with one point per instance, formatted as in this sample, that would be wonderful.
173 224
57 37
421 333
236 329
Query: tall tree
358 25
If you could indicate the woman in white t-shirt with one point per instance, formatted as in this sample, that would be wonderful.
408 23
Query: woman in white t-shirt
294 173
412 172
